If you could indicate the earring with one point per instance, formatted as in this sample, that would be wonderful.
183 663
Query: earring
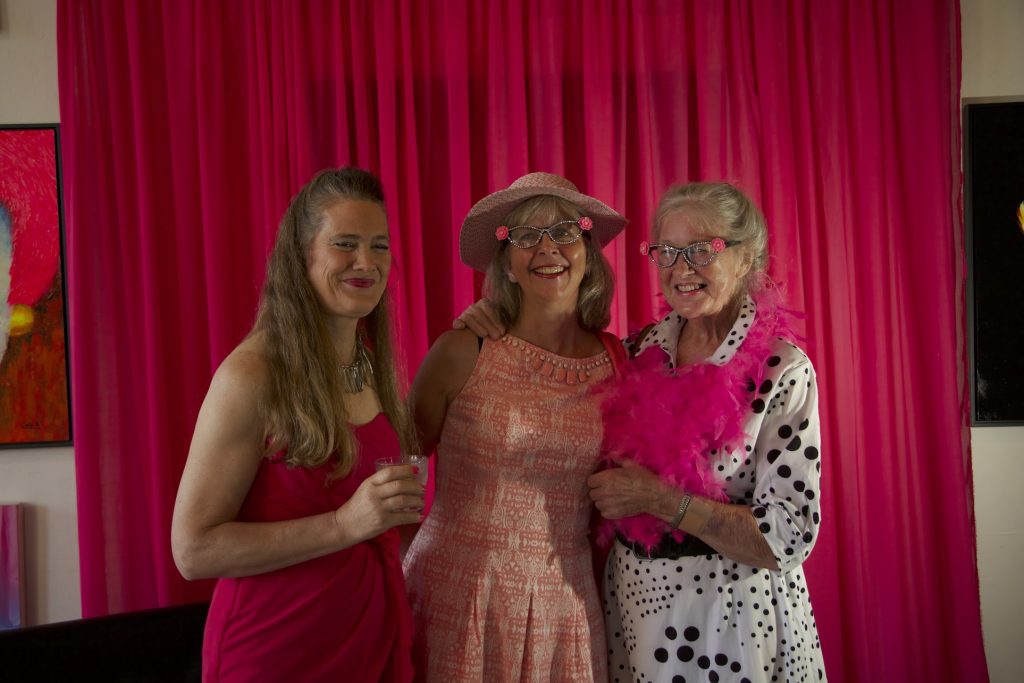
511 276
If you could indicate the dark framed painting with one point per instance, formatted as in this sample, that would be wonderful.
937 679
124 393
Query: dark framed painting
35 405
994 215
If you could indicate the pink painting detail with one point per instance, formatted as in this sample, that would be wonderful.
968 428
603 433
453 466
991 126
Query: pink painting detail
28 186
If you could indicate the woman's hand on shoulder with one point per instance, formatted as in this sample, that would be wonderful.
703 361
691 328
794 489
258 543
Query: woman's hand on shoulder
482 318
391 497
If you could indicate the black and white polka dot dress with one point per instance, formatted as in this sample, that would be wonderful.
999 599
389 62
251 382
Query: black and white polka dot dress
708 618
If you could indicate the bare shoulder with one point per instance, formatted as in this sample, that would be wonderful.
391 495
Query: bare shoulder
441 377
450 361
244 375
230 420
457 345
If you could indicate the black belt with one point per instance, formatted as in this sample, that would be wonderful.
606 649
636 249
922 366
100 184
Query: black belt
668 548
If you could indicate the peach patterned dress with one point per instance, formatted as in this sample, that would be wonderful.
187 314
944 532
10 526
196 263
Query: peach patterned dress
500 576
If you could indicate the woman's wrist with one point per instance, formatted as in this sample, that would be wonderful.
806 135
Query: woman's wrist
698 512
340 533
665 502
684 503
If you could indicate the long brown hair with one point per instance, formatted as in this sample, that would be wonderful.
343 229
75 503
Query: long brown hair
304 410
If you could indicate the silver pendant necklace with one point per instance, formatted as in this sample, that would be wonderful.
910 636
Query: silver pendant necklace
355 374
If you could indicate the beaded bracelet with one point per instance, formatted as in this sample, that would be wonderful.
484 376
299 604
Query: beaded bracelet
683 504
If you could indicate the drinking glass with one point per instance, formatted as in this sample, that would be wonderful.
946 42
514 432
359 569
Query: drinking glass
416 460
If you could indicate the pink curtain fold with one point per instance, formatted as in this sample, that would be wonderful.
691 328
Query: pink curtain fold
188 126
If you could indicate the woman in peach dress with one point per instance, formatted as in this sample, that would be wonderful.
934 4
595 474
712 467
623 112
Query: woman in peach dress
500 575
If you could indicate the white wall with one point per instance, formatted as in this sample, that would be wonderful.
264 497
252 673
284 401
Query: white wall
993 51
993 66
42 478
998 457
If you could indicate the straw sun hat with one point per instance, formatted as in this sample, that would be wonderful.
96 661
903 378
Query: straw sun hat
477 241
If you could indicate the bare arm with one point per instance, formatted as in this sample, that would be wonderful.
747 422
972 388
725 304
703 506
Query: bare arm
227 448
444 372
730 529
482 318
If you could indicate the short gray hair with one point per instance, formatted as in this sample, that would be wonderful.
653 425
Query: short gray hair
721 205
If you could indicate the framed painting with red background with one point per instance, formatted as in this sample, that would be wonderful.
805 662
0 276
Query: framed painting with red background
35 406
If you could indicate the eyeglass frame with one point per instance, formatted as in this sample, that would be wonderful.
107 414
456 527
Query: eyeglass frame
583 224
717 244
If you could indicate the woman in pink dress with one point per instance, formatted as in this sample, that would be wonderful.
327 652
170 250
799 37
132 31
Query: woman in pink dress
279 498
500 575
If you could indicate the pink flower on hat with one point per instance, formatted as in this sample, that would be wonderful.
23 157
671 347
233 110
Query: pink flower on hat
717 245
645 248
585 222
502 232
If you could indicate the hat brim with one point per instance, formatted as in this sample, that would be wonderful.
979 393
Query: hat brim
478 244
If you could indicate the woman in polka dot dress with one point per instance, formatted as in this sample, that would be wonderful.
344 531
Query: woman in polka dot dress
727 601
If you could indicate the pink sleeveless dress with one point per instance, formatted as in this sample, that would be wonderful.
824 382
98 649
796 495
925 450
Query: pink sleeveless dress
340 617
500 576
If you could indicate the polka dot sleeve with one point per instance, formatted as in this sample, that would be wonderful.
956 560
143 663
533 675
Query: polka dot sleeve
630 343
786 502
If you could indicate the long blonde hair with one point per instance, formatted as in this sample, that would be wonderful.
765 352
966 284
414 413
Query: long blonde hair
304 410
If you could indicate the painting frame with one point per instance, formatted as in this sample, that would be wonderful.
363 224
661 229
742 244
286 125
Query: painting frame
993 130
35 360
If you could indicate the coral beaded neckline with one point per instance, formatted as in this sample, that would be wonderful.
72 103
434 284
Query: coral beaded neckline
558 368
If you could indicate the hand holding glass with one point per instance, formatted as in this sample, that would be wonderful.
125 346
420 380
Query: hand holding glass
418 463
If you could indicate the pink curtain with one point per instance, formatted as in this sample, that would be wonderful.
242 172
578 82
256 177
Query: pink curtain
188 126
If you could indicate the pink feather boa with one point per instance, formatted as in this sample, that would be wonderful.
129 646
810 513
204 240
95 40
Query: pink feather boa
677 422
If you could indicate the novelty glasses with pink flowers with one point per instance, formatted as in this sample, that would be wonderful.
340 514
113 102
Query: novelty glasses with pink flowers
698 254
528 236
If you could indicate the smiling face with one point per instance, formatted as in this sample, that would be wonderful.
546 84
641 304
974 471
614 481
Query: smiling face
350 257
708 290
548 272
